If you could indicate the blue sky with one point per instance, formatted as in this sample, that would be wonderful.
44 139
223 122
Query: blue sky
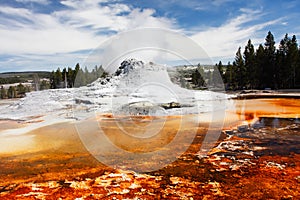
45 34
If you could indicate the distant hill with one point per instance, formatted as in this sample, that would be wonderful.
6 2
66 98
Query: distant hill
19 77
41 74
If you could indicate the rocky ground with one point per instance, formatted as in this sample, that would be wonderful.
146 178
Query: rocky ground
257 162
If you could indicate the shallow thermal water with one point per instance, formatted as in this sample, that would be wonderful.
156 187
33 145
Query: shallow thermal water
54 158
243 111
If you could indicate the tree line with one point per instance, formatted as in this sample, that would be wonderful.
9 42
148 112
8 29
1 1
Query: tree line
67 77
76 77
18 91
264 67
16 84
9 80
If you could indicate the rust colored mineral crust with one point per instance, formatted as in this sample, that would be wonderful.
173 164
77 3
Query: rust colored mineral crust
261 161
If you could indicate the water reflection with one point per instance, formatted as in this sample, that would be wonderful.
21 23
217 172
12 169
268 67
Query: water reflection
252 110
275 122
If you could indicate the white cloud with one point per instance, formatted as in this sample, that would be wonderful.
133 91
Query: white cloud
71 29
24 32
21 12
53 36
41 34
43 2
202 5
221 2
222 42
109 17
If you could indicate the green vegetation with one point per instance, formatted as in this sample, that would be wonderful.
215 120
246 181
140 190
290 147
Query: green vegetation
14 91
266 67
75 78
199 77
22 77
16 84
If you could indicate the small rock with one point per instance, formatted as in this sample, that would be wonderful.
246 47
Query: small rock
171 105
243 128
288 197
229 132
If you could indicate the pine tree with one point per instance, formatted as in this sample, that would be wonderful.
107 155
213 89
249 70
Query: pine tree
269 62
259 67
52 80
292 56
70 77
21 89
287 62
198 77
250 72
58 78
239 70
11 92
221 70
75 72
281 70
297 84
3 93
229 77
64 77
